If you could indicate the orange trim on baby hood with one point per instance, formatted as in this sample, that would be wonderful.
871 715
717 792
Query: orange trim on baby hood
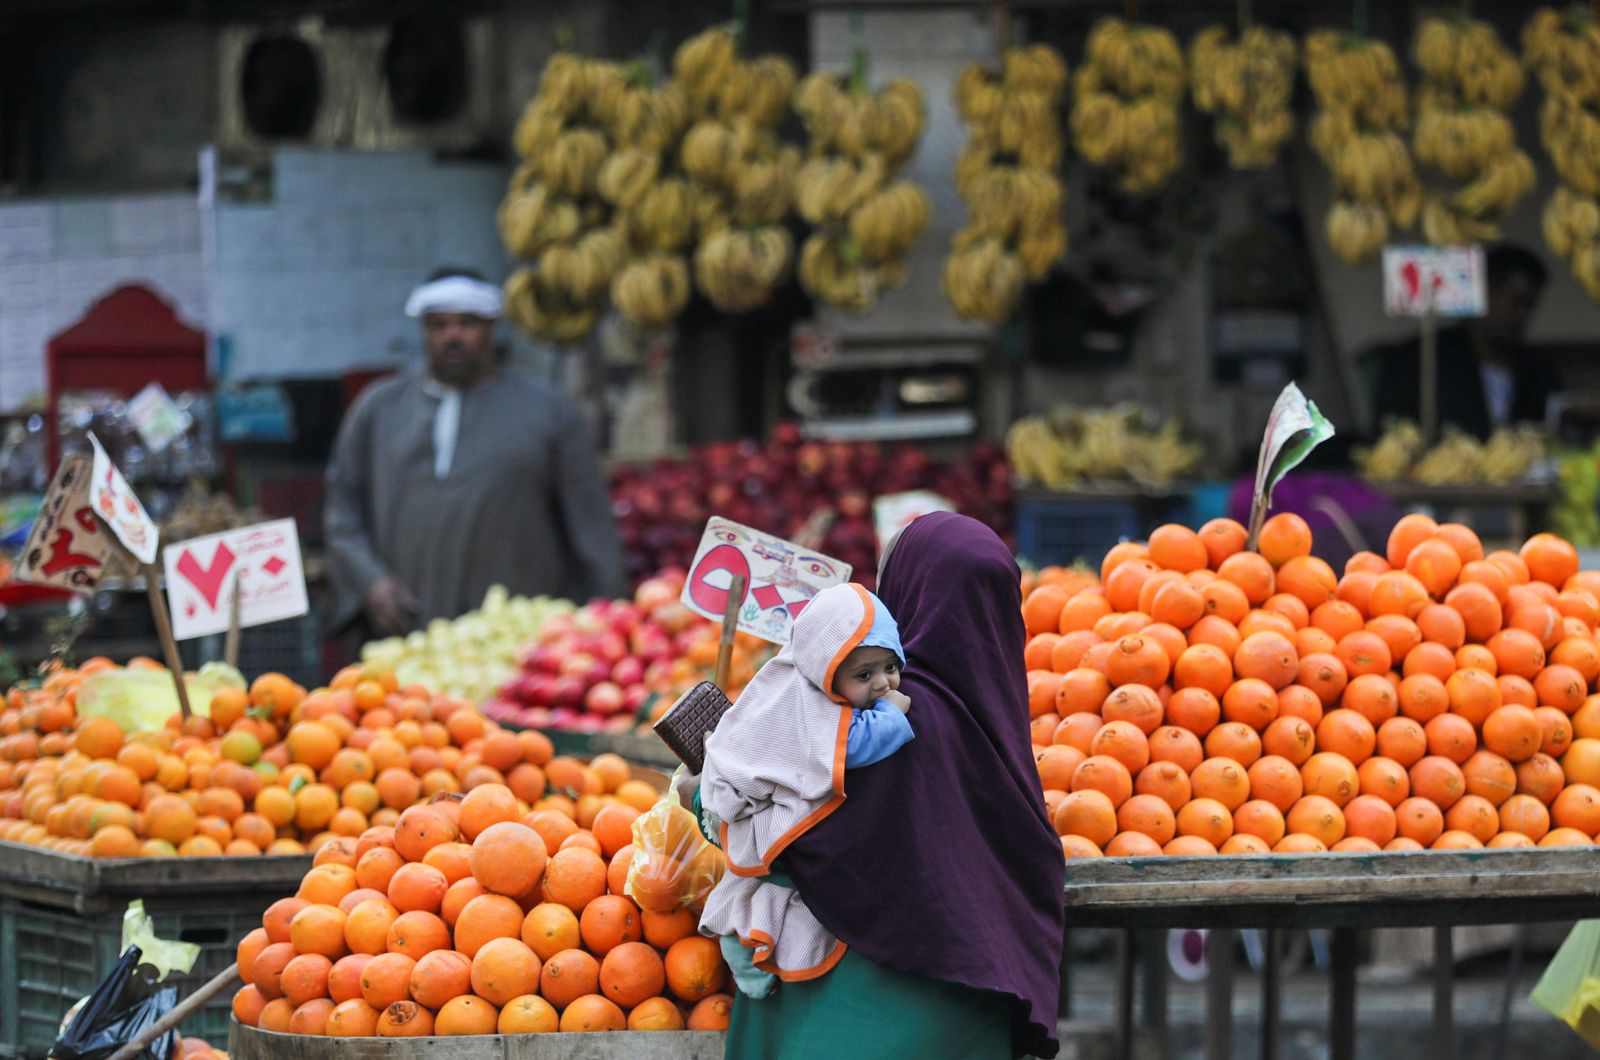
841 738
762 943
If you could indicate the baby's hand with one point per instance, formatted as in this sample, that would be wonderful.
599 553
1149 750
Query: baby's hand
898 700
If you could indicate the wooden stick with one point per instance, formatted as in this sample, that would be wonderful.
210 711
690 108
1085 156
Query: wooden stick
730 625
180 1012
169 646
230 646
1430 370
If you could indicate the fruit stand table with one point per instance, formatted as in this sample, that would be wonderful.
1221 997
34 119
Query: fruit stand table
249 1043
1345 892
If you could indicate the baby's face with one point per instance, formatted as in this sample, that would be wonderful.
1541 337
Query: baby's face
865 675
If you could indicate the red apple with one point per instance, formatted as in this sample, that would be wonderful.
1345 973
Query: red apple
633 698
604 698
576 665
568 691
628 671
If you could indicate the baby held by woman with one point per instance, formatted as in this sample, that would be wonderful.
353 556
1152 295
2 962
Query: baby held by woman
776 765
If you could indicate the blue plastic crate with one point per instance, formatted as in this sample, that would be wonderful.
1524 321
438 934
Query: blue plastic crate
1065 529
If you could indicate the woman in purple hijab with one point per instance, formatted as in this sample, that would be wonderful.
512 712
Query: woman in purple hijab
940 871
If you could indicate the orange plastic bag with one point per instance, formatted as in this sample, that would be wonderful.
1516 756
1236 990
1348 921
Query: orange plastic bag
673 866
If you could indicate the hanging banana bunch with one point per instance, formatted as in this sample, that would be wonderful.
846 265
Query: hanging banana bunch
1563 51
738 174
553 216
1356 132
1125 111
865 220
1007 176
1469 79
1247 85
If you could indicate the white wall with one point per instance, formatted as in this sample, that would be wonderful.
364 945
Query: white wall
58 257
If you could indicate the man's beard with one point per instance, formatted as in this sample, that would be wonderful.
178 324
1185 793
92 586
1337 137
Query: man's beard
453 368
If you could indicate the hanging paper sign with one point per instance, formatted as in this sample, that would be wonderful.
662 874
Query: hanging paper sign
67 547
1294 428
261 563
893 512
157 418
780 577
1447 281
118 507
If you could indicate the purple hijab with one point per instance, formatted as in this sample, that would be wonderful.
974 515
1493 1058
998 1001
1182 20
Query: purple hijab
941 861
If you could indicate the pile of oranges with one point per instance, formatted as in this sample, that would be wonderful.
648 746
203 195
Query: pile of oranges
1197 697
478 917
274 769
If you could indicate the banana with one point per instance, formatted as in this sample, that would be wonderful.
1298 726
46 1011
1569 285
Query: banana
1563 52
1125 116
652 290
702 65
737 270
1077 445
626 175
1248 86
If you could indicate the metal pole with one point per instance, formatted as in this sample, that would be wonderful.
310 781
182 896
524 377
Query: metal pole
1219 994
1272 996
1124 1025
1444 1033
1342 1010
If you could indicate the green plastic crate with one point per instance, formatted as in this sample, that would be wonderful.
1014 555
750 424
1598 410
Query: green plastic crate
53 957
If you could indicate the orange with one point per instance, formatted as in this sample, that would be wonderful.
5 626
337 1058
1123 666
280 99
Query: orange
1057 762
1419 820
1578 806
344 978
1275 780
1283 537
1258 818
1240 843
417 933
531 1014
1451 736
1373 697
405 1019
1324 673
570 974
1120 740
1175 547
1363 652
1234 740
1566 837
420 829
1197 710
1439 780
466 1014
485 918
1490 776
1137 660
1436 564
275 1016
1561 686
1581 763
1474 815
1540 776
266 971
1474 695
1149 815
98 738
306 978
1041 611
1088 813
1549 559
1404 740
327 884
1409 532
1138 704
1513 732
1105 774
1332 776
1556 731
247 1005
417 886
1348 733
574 877
1517 651
319 929
1525 814
607 922
1067 654
1221 779
1317 817
366 926
1370 817
508 858
486 805
1290 738
1178 604
1042 688
440 976
1222 538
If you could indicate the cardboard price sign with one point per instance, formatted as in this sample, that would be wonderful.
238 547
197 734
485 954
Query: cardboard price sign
261 563
67 547
1443 281
118 507
780 578
893 512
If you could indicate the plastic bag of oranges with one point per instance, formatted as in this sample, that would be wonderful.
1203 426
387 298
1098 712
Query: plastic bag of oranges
673 865
1570 987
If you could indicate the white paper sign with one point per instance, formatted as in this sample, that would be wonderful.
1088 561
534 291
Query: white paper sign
1452 277
263 561
157 418
118 507
780 577
67 547
893 512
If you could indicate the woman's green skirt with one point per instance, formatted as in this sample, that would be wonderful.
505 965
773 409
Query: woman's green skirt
864 1011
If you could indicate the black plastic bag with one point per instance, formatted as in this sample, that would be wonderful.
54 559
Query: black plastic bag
125 1003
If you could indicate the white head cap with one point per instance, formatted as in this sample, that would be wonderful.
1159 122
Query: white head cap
456 294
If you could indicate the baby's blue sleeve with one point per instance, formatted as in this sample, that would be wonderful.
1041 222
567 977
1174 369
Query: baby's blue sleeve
875 734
